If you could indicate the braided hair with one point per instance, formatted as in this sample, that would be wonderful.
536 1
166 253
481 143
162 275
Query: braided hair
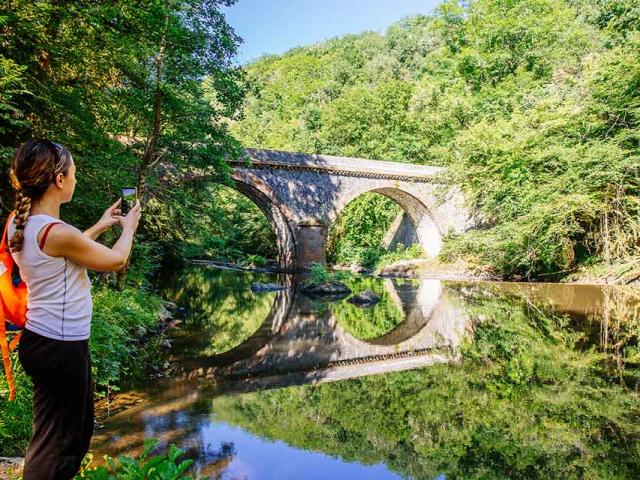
35 165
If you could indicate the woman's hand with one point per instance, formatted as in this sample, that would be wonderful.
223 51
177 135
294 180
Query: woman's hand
111 216
108 219
130 221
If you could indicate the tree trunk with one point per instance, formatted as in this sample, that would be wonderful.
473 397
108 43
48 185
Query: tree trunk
150 151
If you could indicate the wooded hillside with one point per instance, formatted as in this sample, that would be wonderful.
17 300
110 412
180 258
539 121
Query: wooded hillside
534 105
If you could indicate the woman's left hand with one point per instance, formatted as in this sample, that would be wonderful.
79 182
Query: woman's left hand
111 215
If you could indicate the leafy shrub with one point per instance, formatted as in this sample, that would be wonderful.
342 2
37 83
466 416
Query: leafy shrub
158 467
119 318
318 273
15 416
254 261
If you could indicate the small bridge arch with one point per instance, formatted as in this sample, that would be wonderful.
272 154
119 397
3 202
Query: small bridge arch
428 230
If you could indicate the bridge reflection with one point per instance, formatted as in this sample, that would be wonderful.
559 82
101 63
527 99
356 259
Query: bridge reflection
301 341
304 340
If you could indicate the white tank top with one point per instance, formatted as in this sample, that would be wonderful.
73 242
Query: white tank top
59 301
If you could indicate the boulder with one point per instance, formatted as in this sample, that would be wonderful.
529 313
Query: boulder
164 314
367 298
333 288
403 268
353 268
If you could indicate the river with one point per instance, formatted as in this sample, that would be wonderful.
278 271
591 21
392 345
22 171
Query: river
440 379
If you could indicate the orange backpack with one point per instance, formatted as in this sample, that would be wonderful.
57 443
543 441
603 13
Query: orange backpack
13 307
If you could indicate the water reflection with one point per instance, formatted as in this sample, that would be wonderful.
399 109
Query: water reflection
522 383
302 339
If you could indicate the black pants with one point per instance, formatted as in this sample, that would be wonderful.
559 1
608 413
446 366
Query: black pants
63 414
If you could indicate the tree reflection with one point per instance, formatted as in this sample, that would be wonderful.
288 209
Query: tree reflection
526 402
221 310
372 322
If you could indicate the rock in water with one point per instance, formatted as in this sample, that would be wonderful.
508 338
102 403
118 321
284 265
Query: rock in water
367 298
266 287
327 289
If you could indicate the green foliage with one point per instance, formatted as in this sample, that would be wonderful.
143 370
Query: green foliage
120 318
254 261
357 234
15 415
215 221
93 76
11 85
157 467
318 273
533 106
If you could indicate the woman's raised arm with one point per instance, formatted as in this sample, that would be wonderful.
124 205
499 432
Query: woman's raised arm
67 241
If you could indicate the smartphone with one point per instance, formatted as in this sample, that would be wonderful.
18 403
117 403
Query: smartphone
129 196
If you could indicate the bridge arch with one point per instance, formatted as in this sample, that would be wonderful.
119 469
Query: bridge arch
427 229
285 240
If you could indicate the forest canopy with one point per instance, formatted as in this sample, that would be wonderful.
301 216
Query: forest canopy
140 93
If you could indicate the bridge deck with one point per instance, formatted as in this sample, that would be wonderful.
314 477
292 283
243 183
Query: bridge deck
340 165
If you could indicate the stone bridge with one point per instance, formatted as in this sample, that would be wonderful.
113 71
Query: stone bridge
302 195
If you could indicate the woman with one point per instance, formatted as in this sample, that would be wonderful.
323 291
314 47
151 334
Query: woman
53 258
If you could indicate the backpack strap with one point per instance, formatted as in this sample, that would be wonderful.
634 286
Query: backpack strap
7 347
6 360
46 232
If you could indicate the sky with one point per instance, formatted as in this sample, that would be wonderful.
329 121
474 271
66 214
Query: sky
275 26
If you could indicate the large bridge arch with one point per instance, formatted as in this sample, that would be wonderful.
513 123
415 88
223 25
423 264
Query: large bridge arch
285 240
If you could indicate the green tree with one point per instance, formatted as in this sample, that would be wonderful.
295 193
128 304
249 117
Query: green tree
139 91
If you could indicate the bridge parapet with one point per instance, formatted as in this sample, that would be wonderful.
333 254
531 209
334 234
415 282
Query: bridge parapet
345 166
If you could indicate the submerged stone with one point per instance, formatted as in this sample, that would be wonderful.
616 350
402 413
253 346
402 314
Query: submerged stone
367 298
333 288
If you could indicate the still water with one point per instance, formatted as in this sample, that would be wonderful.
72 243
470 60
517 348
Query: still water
440 379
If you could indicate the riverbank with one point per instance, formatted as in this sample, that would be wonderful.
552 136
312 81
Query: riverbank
624 273
128 331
